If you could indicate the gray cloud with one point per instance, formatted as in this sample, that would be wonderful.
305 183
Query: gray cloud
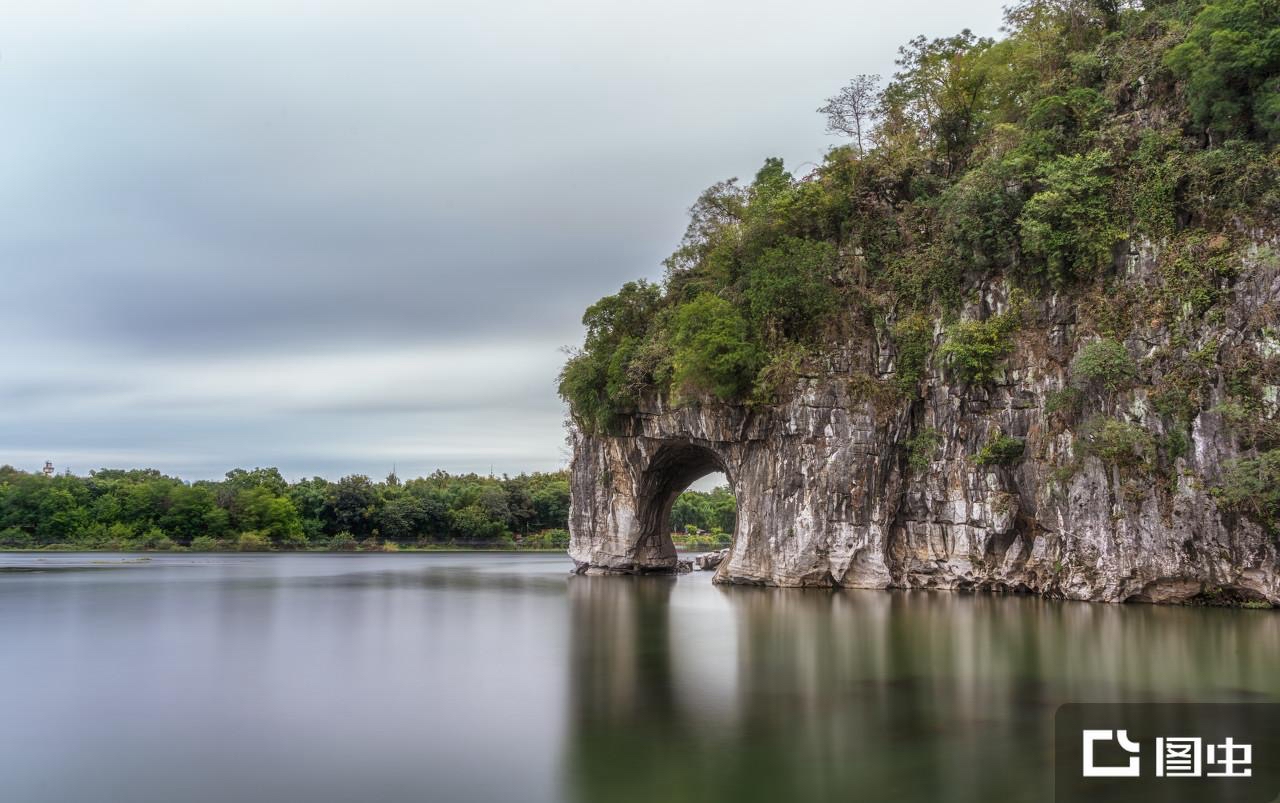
336 235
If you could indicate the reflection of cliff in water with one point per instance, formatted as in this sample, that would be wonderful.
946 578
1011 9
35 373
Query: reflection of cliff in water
868 695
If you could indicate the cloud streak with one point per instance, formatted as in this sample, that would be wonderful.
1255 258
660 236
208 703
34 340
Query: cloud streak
332 236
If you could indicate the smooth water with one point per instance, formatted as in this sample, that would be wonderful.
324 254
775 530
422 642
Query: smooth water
494 677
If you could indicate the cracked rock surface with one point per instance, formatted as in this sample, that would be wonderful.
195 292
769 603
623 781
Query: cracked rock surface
827 494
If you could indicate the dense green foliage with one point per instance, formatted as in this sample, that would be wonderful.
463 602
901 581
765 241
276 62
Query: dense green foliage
713 352
608 372
976 349
1120 443
1230 61
1068 227
1252 486
1030 160
922 447
914 337
254 510
1103 364
713 511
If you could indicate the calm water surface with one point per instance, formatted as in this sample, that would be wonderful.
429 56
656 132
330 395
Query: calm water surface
493 677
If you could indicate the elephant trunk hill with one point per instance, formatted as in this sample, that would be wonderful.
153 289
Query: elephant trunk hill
1022 333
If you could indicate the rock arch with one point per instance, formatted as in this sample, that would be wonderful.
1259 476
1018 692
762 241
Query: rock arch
672 468
807 484
629 487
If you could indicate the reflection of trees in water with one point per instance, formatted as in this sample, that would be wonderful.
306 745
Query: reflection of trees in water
874 695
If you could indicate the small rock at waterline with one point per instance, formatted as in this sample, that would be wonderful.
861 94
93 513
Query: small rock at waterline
710 560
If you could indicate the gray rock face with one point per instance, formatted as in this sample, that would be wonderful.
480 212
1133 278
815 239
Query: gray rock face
827 494
710 561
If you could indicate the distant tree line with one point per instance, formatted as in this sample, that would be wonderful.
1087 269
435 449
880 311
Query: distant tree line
142 509
259 509
713 511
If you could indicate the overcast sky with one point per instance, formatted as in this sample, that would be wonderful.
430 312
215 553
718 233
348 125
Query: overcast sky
336 236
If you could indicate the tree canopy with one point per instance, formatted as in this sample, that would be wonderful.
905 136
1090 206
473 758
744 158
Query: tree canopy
1031 158
144 509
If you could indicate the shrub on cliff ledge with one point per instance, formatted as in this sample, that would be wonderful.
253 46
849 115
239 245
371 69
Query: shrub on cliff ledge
913 337
1117 442
1002 450
975 349
1103 363
1252 487
922 448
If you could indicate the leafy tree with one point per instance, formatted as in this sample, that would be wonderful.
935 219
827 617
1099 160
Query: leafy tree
596 380
493 501
1068 227
402 517
269 478
977 215
941 93
1230 62
789 290
713 350
351 505
976 349
274 517
60 517
551 502
309 498
711 218
192 512
473 523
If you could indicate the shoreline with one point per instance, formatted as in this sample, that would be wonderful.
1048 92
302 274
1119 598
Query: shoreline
184 551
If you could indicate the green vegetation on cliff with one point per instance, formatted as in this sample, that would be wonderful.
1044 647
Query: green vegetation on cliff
1032 159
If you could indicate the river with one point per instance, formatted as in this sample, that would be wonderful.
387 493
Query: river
495 677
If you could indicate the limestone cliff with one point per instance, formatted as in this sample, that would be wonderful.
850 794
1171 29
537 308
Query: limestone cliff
1022 333
841 484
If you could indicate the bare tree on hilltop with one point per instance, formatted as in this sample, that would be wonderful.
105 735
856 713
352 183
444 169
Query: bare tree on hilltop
851 112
